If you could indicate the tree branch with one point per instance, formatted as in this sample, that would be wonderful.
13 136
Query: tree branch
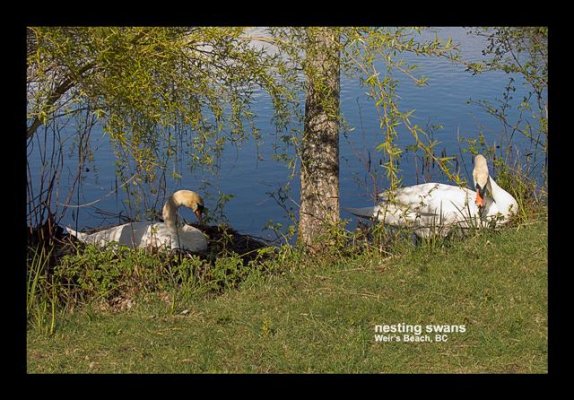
62 88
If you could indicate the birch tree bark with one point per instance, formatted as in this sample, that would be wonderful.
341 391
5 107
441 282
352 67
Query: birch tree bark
320 144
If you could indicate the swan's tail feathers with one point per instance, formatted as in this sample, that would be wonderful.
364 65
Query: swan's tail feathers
81 236
365 212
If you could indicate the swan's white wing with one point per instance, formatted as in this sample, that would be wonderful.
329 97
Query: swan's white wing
192 239
134 234
148 235
102 237
145 235
430 208
431 200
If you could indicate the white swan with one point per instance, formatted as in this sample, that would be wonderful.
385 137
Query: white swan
159 234
436 208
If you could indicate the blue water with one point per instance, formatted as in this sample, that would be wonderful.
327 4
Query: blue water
249 172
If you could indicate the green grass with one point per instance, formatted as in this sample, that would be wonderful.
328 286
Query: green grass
319 316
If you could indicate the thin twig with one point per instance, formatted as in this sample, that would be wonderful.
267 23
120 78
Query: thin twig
100 199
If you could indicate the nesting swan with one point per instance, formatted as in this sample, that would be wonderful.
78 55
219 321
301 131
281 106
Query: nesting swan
155 235
436 208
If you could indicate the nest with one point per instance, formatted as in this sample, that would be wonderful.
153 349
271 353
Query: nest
223 240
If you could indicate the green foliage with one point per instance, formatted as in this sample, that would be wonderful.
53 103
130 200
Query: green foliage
152 88
163 93
217 214
117 276
364 50
93 273
514 173
522 51
319 317
514 50
227 272
40 299
149 85
522 187
142 79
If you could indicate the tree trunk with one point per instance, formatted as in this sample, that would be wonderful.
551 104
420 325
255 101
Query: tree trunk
320 145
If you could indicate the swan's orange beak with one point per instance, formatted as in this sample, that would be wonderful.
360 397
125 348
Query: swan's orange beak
480 201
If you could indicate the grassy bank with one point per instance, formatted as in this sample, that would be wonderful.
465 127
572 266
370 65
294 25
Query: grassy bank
319 315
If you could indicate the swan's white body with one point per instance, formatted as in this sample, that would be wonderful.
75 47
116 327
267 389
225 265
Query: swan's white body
155 235
147 235
435 208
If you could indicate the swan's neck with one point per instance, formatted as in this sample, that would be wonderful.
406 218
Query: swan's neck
169 214
505 203
180 198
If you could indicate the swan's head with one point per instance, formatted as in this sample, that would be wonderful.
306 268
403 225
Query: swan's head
480 177
188 199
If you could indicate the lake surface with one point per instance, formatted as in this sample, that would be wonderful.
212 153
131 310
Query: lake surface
249 172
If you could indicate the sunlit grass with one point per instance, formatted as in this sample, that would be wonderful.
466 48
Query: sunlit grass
318 313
